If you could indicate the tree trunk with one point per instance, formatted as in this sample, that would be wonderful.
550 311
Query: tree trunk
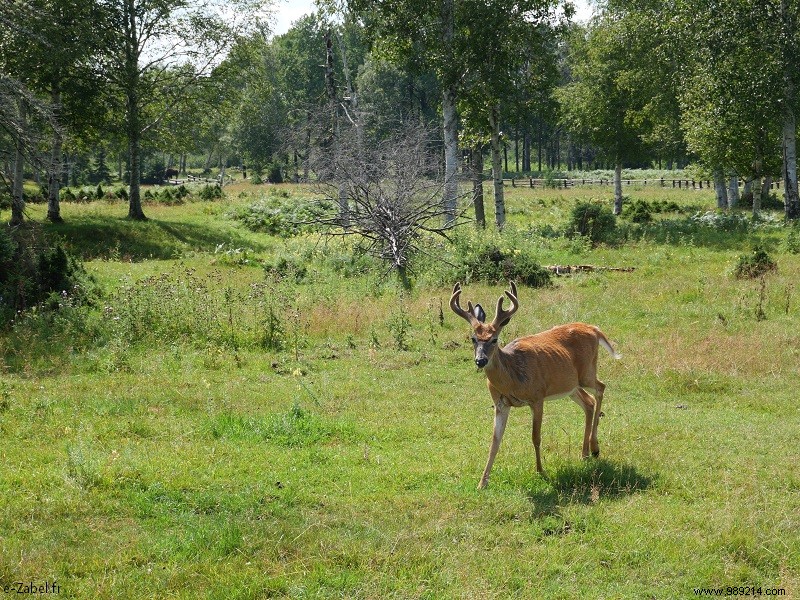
330 89
17 193
450 154
791 199
450 117
765 187
54 174
476 168
497 169
618 188
719 189
756 188
132 106
733 191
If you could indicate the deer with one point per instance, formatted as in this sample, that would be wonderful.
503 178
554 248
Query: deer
556 363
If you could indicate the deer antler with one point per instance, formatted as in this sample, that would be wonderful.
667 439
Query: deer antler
456 307
502 316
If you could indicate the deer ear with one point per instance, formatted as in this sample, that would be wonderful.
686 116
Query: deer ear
479 313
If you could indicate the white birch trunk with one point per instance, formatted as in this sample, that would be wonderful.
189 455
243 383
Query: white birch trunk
618 188
733 191
54 171
17 194
719 189
450 154
497 169
450 118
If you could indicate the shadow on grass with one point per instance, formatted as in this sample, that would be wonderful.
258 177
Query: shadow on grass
98 237
587 482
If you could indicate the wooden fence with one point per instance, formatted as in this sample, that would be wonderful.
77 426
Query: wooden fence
689 184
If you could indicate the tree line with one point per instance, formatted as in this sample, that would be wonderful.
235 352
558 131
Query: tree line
150 85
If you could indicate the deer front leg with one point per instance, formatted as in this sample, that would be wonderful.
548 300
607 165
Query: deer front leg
501 410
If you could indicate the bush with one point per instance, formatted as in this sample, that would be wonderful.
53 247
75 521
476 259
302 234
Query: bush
274 173
755 264
36 270
210 193
592 220
280 214
488 262
67 195
769 202
638 211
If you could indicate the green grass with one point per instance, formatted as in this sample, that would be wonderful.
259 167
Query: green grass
196 462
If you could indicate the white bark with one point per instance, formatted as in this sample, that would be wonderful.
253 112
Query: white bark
497 169
719 189
618 188
17 197
450 154
733 191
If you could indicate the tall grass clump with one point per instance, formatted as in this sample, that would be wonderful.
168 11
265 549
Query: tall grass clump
183 306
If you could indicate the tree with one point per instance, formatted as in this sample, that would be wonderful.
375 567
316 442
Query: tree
603 103
394 199
157 52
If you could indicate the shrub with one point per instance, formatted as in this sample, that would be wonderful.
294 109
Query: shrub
280 214
769 202
35 269
286 266
638 211
488 262
592 220
755 264
67 195
210 193
274 173
122 194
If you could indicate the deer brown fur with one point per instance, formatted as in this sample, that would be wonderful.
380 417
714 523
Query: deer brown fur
529 370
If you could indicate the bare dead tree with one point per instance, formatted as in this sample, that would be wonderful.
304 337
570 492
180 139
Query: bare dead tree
394 191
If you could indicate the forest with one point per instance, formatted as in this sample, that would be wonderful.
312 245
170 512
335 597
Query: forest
233 362
131 91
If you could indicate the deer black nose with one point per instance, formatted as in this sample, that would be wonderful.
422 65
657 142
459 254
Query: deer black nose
481 362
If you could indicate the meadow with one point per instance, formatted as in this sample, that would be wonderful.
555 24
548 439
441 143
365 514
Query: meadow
243 414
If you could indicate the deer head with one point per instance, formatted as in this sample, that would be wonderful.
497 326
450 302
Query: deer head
484 337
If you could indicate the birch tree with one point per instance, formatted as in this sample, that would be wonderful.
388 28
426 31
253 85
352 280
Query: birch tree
159 51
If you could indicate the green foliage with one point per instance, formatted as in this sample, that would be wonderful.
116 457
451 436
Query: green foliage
211 192
280 214
769 202
484 260
36 270
592 220
793 240
754 265
67 195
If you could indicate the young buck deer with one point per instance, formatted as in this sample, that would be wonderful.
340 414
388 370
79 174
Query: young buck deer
552 364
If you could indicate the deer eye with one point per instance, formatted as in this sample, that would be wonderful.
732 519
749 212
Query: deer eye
474 340
494 341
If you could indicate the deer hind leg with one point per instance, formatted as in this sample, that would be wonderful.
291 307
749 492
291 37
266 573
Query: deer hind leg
587 403
501 410
599 388
537 408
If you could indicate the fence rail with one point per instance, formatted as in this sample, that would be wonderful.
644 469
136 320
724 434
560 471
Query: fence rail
689 184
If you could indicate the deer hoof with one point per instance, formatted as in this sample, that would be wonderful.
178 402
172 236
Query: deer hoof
596 453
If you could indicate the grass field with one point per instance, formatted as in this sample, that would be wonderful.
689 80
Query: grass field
206 432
